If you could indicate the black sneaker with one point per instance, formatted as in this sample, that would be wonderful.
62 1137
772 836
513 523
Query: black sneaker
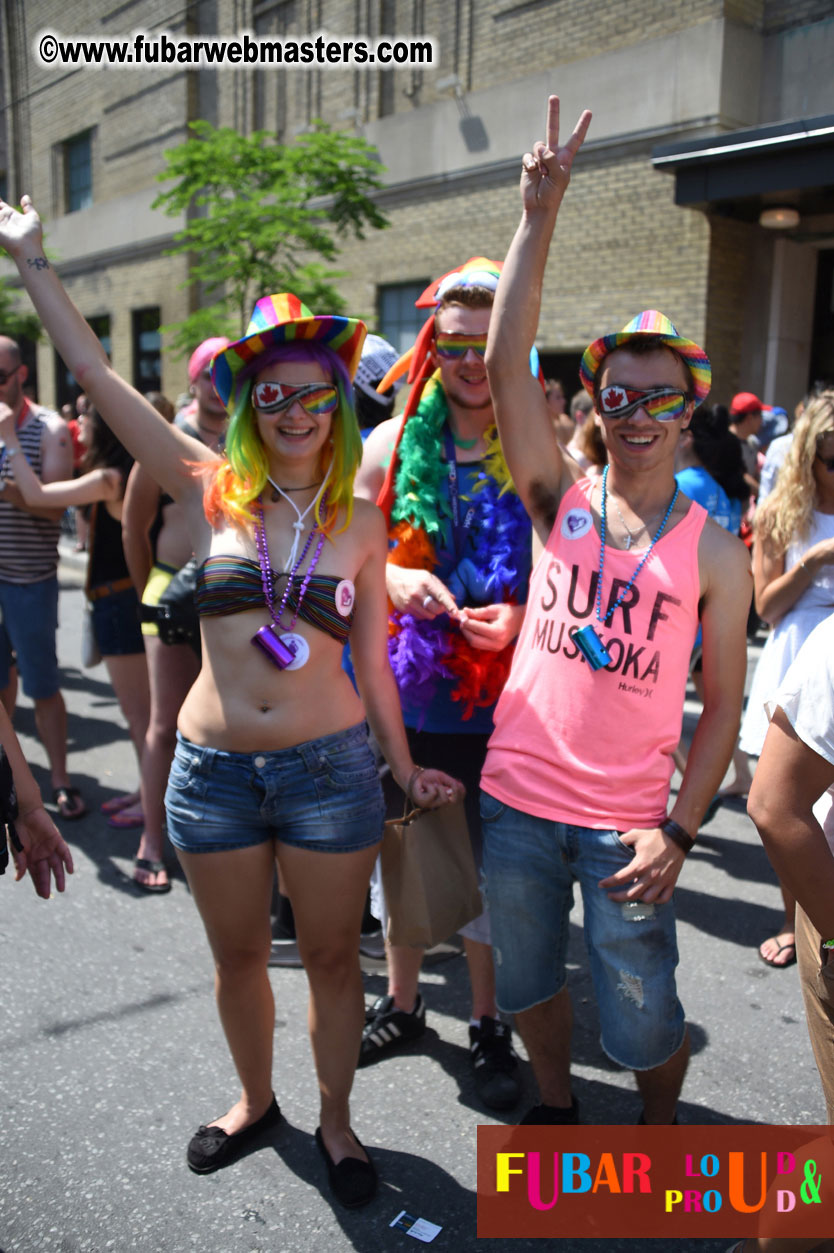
386 1028
552 1116
495 1063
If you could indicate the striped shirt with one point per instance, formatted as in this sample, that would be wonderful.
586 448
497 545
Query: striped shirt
28 546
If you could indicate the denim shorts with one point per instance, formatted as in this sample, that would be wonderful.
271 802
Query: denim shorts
323 795
116 624
531 866
29 626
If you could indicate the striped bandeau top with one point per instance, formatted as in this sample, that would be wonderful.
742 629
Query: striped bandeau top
228 584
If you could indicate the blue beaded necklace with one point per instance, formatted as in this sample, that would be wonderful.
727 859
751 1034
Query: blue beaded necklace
645 558
592 647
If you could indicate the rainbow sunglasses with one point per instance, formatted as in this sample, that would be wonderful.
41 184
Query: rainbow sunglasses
314 398
452 347
664 404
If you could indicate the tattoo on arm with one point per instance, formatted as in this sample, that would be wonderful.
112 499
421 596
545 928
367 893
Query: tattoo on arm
37 263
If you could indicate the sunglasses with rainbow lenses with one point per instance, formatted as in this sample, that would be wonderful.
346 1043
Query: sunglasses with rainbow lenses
453 347
662 403
314 398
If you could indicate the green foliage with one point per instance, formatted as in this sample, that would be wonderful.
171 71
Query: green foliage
13 323
263 216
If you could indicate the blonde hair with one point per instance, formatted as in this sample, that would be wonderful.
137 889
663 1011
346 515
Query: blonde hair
786 513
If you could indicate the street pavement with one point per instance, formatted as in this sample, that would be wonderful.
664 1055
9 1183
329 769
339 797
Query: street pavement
112 1053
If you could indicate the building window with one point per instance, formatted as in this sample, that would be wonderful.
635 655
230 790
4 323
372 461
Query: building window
399 321
147 347
78 172
66 387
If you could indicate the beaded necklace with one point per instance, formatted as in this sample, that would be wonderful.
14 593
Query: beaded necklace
593 649
286 649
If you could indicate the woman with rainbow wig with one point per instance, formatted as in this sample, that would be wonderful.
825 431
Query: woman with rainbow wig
272 756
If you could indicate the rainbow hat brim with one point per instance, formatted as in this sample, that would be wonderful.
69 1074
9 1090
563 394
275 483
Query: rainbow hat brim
283 319
649 322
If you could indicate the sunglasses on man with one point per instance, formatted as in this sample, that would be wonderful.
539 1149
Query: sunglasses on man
454 347
5 375
314 398
664 404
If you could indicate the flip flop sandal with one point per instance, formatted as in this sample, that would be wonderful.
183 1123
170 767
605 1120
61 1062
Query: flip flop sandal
122 821
780 965
152 867
118 803
69 803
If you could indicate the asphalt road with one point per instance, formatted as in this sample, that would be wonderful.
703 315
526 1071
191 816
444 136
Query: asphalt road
112 1053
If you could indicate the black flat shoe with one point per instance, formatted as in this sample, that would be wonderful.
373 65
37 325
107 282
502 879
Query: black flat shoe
211 1148
352 1181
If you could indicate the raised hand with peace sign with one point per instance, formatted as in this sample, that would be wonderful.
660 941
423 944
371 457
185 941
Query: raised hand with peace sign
528 438
545 173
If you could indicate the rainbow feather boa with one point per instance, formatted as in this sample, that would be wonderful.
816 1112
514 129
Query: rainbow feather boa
424 652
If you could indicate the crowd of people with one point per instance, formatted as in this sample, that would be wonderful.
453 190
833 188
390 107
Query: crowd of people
536 577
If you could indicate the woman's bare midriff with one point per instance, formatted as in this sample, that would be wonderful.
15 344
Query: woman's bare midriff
242 703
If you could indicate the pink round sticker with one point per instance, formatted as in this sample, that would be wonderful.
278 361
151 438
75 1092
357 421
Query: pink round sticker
345 596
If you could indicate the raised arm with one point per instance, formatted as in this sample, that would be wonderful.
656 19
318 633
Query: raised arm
163 449
528 438
102 484
56 465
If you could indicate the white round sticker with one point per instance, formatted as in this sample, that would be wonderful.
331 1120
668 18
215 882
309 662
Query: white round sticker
576 523
298 646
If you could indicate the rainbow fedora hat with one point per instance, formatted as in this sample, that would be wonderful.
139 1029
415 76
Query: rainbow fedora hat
649 322
283 319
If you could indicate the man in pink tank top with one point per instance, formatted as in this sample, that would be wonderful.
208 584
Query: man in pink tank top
576 780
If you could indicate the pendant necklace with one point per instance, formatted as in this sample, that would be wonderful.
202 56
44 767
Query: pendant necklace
298 525
632 537
285 648
592 647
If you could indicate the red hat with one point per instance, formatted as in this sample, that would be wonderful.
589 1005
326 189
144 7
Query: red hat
744 403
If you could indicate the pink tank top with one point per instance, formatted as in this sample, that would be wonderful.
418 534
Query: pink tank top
594 748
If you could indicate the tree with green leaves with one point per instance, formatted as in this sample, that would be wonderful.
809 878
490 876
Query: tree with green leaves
13 323
264 217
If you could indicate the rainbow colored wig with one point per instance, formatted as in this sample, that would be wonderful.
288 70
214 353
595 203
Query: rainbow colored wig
242 476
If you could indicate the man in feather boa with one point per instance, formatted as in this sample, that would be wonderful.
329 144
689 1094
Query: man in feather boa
458 568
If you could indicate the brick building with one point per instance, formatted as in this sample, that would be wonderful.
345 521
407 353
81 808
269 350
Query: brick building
707 113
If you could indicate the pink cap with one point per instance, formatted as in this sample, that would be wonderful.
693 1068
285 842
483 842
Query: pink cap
202 355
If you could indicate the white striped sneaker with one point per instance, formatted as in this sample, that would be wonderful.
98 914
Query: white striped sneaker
387 1028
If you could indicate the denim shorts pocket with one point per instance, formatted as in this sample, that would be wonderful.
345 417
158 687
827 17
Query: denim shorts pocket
491 809
185 783
349 766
